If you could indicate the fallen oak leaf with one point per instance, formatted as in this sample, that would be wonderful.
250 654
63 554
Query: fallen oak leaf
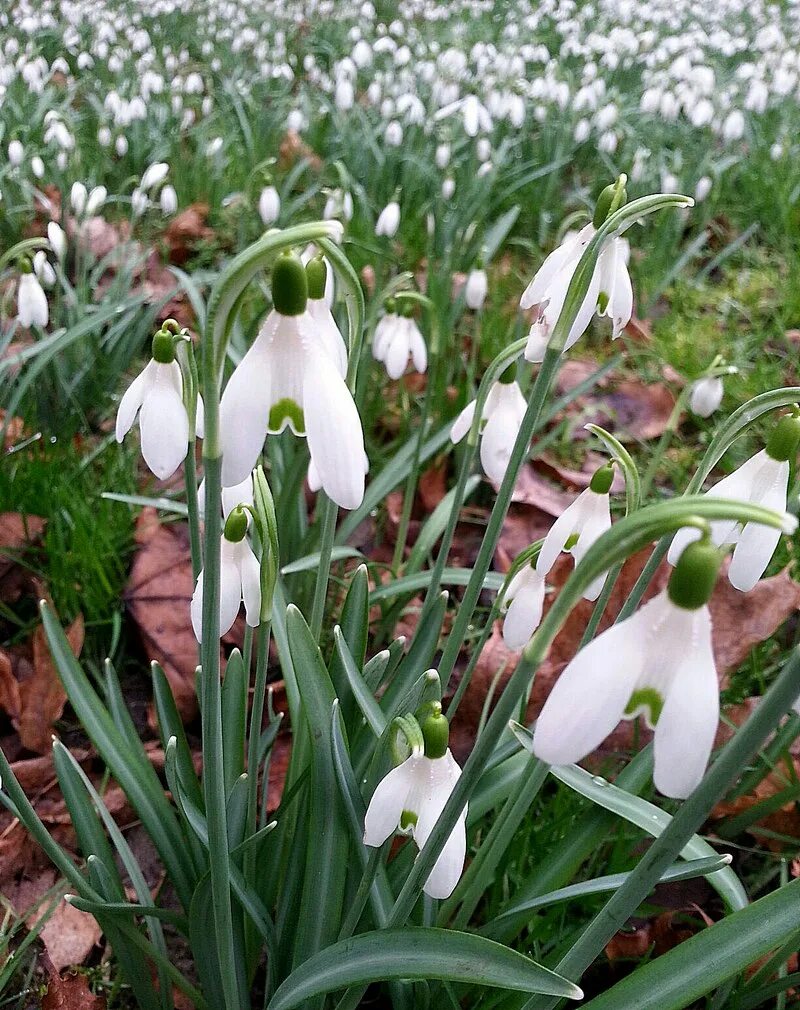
43 696
71 992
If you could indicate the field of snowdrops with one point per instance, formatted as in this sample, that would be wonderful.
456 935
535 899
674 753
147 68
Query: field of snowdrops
398 569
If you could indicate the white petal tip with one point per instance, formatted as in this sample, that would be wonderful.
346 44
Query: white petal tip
789 523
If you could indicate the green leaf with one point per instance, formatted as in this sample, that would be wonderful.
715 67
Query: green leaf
417 953
234 718
450 576
419 656
633 482
434 526
311 561
353 631
681 976
370 709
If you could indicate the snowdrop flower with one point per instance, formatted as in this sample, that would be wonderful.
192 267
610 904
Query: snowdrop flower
702 189
448 188
290 377
610 292
658 663
523 602
154 175
411 799
31 300
156 395
338 205
393 135
37 167
43 270
239 579
398 338
121 146
500 423
239 494
139 202
77 198
442 157
269 206
762 480
476 288
95 200
706 395
16 153
168 201
388 220
57 239
319 310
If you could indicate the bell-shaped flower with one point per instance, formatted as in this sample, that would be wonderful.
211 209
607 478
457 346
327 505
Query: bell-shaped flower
398 338
500 423
95 200
388 220
43 270
57 239
168 201
609 293
239 579
476 288
156 395
411 799
290 377
706 395
239 494
318 306
154 175
522 604
762 480
31 300
579 526
78 196
658 663
269 206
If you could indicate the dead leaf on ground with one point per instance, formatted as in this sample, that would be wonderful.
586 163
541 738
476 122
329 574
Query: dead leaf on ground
71 992
158 595
185 231
579 480
432 486
532 488
69 935
639 329
293 148
17 531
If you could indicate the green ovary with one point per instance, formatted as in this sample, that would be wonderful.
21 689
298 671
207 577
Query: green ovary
408 820
285 412
646 699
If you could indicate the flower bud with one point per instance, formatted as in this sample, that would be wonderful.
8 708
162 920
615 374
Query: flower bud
316 276
610 200
706 395
289 285
692 583
784 438
236 525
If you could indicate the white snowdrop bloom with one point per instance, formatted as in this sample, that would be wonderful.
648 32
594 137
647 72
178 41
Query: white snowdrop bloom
318 276
139 202
658 663
411 799
78 196
168 200
121 146
607 143
57 239
393 134
762 480
289 377
475 115
344 96
706 395
43 270
776 151
95 200
239 494
239 579
503 412
37 167
31 302
523 602
339 205
62 160
269 206
701 113
483 149
397 339
442 156
448 188
154 175
476 288
702 189
16 153
104 136
156 395
388 220
733 127
582 130
214 146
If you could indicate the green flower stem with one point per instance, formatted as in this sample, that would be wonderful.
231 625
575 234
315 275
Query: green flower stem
624 538
689 818
322 574
664 442
190 476
253 741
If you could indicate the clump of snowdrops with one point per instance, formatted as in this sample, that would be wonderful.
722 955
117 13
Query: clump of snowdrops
311 905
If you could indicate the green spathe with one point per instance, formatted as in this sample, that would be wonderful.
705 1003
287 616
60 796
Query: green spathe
289 285
692 582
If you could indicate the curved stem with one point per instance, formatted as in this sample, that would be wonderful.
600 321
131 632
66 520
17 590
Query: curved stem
328 532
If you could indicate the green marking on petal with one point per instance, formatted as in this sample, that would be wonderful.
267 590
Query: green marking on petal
571 540
647 701
602 302
285 412
408 820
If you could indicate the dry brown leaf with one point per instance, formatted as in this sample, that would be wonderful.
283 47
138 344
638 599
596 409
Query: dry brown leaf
522 525
432 486
158 595
71 992
42 696
579 480
534 489
68 935
185 230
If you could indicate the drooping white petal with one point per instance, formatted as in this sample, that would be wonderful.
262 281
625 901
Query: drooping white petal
503 419
31 302
524 612
388 802
596 520
563 258
230 586
462 423
132 399
250 574
442 775
558 534
419 352
615 284
688 722
590 696
706 396
335 435
196 609
538 339
476 289
244 409
757 543
397 350
330 336
163 424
